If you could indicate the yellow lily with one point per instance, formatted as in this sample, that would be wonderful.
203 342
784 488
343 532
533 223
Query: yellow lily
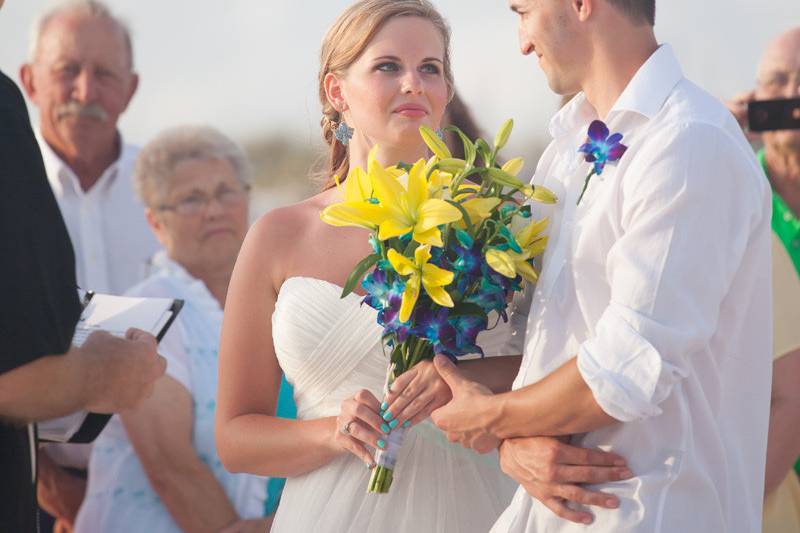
530 237
510 263
502 136
359 207
419 271
539 193
437 146
346 214
513 166
356 209
439 184
412 209
478 209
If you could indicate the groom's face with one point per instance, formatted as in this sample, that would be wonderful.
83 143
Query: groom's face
548 29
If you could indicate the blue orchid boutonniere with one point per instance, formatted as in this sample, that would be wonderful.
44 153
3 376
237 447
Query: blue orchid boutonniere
602 148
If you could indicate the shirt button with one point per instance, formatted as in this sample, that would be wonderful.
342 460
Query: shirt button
787 217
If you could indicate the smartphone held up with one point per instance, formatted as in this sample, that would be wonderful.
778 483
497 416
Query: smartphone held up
770 115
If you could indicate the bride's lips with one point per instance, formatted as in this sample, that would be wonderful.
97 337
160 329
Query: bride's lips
411 110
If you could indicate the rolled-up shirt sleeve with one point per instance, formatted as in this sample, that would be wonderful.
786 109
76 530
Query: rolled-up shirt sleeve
689 205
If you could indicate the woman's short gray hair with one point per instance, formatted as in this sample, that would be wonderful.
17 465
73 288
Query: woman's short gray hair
158 159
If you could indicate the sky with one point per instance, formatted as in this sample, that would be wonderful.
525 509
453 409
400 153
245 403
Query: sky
249 66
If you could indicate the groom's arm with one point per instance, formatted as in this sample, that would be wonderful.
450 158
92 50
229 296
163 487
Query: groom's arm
495 373
560 404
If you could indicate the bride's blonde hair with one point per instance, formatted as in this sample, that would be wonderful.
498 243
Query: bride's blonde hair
344 43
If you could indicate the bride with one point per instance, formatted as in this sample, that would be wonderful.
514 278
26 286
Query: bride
385 71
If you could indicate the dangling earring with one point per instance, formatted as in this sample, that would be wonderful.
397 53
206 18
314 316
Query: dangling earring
343 133
440 133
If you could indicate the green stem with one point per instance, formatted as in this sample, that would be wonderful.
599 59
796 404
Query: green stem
585 185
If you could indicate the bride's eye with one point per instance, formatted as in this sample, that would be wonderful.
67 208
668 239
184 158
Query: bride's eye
430 68
388 66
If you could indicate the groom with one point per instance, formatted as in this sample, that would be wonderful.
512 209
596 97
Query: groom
649 331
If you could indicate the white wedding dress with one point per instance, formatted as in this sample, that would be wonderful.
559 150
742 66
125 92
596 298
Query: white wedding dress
329 349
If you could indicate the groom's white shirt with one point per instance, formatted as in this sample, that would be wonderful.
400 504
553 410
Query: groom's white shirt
659 281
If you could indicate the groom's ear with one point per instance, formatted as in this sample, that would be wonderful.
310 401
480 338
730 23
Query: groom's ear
335 92
583 9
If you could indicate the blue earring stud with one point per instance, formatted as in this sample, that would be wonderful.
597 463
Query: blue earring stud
343 133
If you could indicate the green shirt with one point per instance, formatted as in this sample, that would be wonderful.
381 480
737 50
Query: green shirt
784 223
787 227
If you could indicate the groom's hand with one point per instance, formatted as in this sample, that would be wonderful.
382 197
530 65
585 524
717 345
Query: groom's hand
415 394
552 471
462 419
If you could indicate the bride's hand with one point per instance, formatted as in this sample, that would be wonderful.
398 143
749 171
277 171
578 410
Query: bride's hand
414 395
359 425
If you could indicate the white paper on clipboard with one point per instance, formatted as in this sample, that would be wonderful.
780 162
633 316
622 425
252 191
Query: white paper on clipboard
115 314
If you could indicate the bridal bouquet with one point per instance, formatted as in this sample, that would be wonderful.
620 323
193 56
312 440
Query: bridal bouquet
452 240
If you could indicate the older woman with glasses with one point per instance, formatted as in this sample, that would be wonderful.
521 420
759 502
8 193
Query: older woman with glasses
156 468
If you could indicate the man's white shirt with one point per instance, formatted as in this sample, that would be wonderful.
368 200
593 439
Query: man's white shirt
112 241
659 282
109 232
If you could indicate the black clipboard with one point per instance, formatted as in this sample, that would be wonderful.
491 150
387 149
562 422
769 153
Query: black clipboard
94 423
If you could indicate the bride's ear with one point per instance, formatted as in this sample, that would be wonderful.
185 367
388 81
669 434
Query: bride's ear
335 92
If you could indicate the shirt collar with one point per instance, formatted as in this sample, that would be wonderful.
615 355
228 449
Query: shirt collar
645 94
195 290
576 114
62 177
651 85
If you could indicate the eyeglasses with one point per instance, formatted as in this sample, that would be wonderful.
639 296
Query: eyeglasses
197 203
780 80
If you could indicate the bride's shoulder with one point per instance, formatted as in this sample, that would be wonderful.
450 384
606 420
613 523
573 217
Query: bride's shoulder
286 227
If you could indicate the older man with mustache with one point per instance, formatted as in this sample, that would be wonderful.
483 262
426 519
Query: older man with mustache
81 77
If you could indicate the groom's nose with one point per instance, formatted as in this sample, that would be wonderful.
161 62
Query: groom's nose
525 44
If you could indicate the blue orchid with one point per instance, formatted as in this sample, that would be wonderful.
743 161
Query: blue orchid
449 335
489 297
389 316
375 244
434 326
378 290
467 328
386 299
602 148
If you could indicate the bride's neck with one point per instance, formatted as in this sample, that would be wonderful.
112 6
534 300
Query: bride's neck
387 155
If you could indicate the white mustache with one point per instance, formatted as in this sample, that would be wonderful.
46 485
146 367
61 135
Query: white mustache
93 111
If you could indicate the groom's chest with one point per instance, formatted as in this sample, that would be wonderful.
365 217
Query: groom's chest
582 234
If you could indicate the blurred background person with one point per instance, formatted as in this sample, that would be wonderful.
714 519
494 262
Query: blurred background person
779 78
81 78
155 469
80 75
